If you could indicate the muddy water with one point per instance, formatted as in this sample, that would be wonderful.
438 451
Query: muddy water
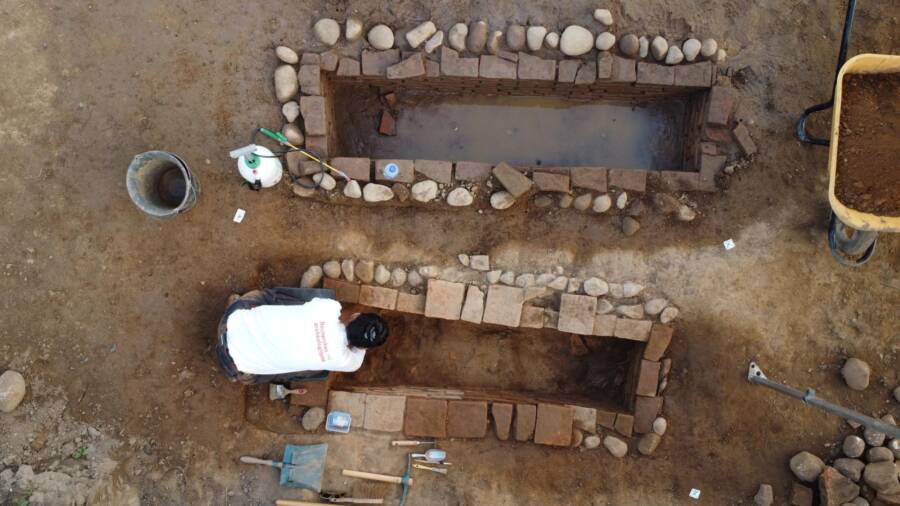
518 130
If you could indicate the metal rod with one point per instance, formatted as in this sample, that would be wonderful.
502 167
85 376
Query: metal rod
755 375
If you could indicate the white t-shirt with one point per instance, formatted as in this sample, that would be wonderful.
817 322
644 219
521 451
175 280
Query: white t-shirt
285 339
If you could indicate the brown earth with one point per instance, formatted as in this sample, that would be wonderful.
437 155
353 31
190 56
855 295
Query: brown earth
110 315
868 168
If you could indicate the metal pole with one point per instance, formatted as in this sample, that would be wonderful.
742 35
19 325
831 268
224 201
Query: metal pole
755 375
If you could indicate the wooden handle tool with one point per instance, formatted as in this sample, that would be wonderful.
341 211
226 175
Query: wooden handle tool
375 477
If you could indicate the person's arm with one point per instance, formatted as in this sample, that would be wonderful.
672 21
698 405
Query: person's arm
354 361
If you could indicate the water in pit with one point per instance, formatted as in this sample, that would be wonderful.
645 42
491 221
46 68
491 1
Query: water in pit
518 130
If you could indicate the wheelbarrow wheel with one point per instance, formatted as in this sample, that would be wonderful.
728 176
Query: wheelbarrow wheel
849 246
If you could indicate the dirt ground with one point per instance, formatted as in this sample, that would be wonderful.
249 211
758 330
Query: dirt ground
110 315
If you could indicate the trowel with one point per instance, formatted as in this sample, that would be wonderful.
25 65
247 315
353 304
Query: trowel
278 392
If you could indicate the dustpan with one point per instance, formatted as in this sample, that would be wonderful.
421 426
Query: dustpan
301 466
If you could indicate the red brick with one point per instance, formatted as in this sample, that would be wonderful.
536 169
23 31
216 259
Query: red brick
454 66
591 178
502 414
532 317
425 417
568 69
473 171
648 378
526 415
439 171
628 179
407 171
473 308
378 296
660 337
745 142
553 425
533 67
694 75
343 291
552 182
635 330
504 305
494 67
576 314
646 409
356 168
467 419
652 73
375 63
624 70
444 299
411 303
605 325
624 424
587 73
310 79
313 111
719 106
606 419
388 125
411 67
348 67
516 183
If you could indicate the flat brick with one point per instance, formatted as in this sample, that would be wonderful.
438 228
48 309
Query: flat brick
652 73
349 402
411 303
568 69
329 61
605 325
407 171
532 317
508 55
454 66
553 425
317 144
502 413
624 70
494 67
680 180
646 409
624 424
606 419
444 299
432 68
310 59
526 415
636 330
719 105
316 392
648 378
604 65
552 182
591 178
473 308
348 67
745 142
514 181
628 179
504 305
425 417
658 343
310 79
715 133
344 291
694 75
411 67
314 119
585 419
378 296
385 412
473 171
536 68
710 166
436 170
587 73
375 63
709 148
359 169
576 314
467 419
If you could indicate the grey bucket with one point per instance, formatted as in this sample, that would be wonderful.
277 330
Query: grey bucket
161 184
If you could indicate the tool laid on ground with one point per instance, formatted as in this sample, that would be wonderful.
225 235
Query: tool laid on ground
333 500
411 443
301 466
278 392
439 470
755 375
432 456
404 480
262 168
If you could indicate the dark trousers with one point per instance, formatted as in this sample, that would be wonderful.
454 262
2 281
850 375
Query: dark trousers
266 297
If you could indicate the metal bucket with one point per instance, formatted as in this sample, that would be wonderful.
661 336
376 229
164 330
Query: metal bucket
161 184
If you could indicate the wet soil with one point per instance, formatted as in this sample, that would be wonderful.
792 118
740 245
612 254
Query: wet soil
520 130
868 166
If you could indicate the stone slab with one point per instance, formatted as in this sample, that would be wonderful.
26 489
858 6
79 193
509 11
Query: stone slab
710 166
504 305
310 78
577 313
432 69
605 325
652 73
568 69
385 412
314 119
587 74
628 179
635 330
411 303
516 183
526 416
606 419
437 170
454 66
552 182
532 317
359 169
348 67
411 67
473 308
376 63
658 342
349 402
536 68
624 70
590 178
425 417
553 425
317 145
407 171
502 414
694 75
329 61
604 65
494 67
467 419
310 59
475 172
344 291
648 378
444 299
646 409
624 424
744 141
378 296
719 105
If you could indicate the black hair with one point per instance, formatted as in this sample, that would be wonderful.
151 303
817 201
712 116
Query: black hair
367 330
